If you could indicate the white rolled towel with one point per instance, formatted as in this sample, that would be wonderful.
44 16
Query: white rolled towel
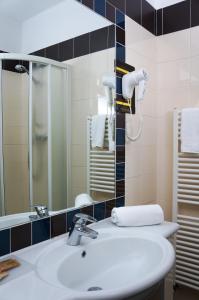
140 215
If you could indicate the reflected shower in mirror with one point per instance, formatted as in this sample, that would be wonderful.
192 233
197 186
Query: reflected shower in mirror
57 110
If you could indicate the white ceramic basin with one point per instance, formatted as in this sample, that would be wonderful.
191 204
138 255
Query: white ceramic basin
120 265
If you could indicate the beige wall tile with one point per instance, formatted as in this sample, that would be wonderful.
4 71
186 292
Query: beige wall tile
174 46
194 41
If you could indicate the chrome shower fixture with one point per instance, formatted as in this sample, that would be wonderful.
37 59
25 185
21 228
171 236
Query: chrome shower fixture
21 69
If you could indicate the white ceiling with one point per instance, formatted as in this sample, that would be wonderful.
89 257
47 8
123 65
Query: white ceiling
162 3
21 10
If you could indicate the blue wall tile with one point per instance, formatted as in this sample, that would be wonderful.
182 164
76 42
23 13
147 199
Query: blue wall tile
99 211
120 137
120 202
120 19
120 52
4 242
119 85
100 7
40 230
110 204
120 171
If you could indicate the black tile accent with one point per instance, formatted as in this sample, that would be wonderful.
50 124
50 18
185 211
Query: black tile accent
66 50
120 137
99 211
41 52
81 45
120 35
120 120
88 210
176 17
120 52
52 52
120 171
124 66
69 218
159 29
99 6
111 36
148 16
88 3
194 13
120 188
120 4
9 65
99 39
120 154
58 224
120 202
120 19
20 237
4 242
110 12
133 10
110 204
40 230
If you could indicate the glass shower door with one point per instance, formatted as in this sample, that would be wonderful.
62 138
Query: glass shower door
58 130
48 134
38 133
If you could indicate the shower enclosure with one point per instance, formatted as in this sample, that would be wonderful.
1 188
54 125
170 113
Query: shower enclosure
34 133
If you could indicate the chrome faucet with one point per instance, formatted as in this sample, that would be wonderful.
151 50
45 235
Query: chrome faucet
42 212
80 229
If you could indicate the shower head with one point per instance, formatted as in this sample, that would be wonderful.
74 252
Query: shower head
21 69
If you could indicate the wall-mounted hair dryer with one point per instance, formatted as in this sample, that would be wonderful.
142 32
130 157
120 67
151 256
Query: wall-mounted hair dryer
129 82
133 79
108 82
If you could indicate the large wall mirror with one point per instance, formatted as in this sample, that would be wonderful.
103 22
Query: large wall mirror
57 119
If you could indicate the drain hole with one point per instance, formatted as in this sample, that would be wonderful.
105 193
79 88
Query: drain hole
94 288
83 253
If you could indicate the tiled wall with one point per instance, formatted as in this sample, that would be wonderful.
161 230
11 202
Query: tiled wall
180 16
177 87
141 155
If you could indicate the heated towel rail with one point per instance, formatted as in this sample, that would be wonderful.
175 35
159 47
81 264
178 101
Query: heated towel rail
100 164
186 194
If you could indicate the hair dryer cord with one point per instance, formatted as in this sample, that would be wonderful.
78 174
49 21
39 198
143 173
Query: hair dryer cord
139 131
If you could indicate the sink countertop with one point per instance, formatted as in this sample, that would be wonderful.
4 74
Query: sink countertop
23 282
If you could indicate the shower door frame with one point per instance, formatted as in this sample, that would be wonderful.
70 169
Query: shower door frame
67 94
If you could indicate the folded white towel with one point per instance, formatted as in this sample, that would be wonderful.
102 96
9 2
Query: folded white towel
98 130
140 215
190 130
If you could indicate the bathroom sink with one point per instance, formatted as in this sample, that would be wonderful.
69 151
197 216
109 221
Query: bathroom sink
114 266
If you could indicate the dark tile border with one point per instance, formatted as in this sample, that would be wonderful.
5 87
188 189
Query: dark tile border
97 40
28 234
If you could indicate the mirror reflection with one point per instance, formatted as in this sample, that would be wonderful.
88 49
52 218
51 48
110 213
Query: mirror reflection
57 109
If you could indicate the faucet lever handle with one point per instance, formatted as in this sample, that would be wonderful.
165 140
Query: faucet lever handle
41 210
82 219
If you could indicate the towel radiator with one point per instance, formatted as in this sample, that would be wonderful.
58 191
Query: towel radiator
185 202
100 164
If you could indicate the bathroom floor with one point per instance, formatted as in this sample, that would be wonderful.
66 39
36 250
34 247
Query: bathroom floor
184 293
